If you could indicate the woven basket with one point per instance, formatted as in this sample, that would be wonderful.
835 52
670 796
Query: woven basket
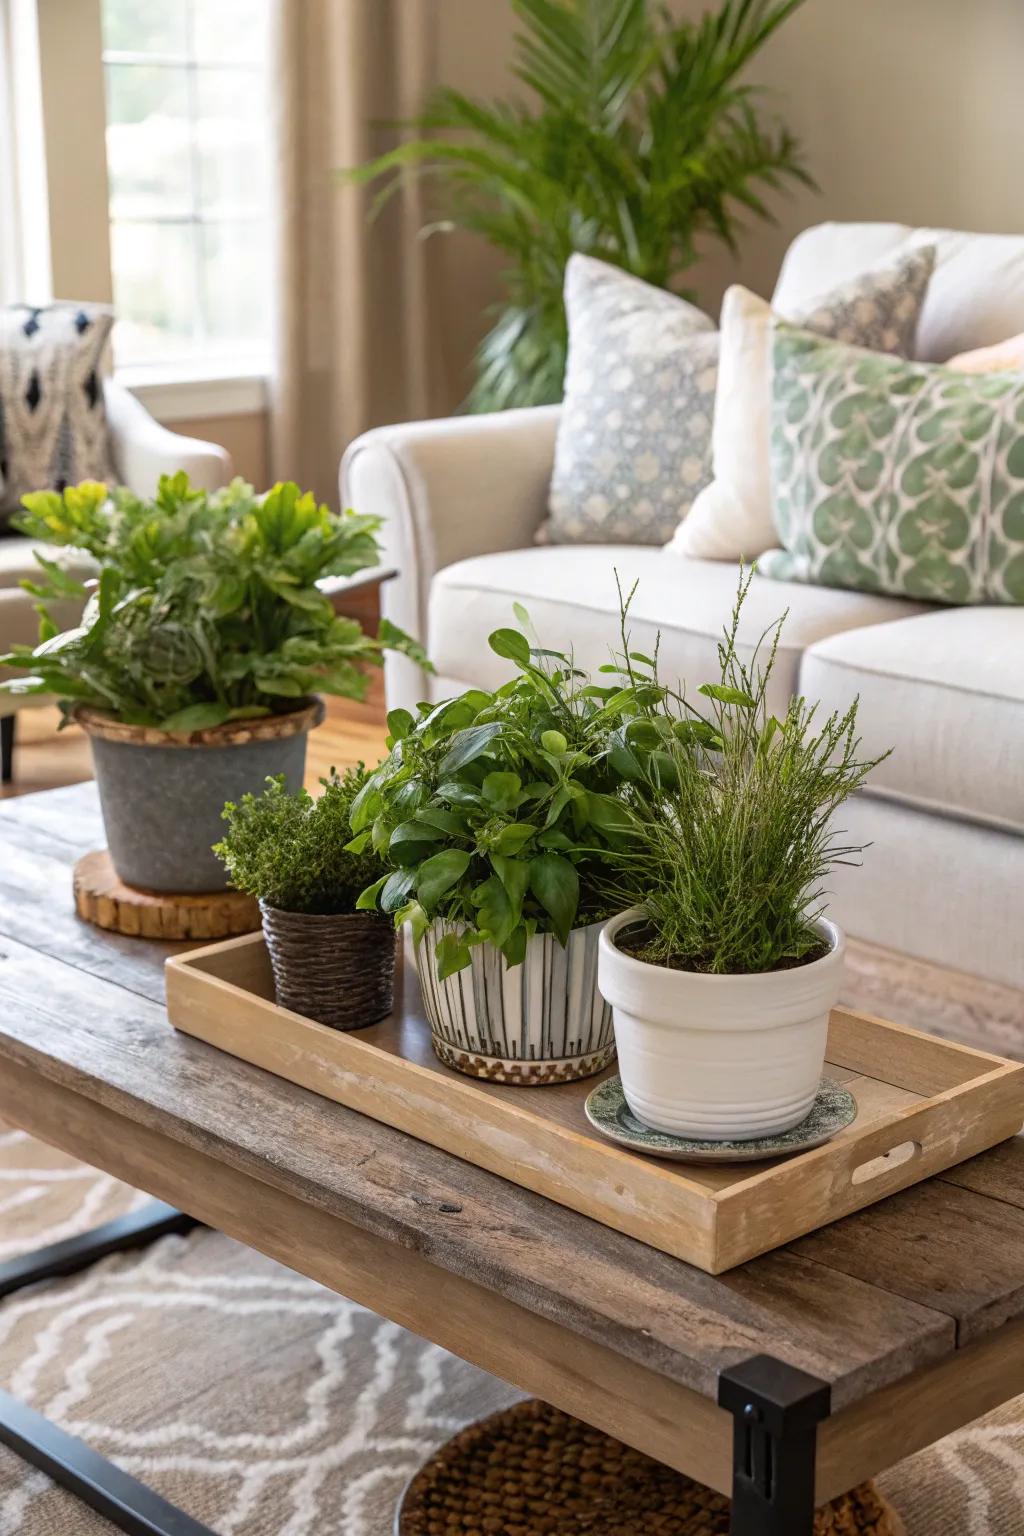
337 968
532 1469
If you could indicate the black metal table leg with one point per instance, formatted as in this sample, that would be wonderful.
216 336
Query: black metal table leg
776 1411
150 1221
128 1504
7 727
131 1506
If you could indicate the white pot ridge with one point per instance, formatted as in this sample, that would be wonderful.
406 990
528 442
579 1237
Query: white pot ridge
720 1058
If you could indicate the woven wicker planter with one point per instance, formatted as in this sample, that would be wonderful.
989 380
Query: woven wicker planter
530 1468
337 968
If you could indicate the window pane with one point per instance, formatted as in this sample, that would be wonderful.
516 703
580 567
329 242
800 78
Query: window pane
235 286
229 31
148 140
154 290
232 142
147 26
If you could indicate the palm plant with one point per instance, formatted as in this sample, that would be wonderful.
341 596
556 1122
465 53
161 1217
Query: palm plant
641 136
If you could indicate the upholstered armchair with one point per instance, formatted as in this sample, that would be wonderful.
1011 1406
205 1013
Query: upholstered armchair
142 451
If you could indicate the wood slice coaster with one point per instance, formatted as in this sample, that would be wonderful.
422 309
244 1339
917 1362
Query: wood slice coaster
104 899
532 1469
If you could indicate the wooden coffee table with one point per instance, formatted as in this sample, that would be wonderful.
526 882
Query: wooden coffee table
785 1381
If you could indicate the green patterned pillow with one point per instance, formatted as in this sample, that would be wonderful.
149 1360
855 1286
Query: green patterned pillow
893 476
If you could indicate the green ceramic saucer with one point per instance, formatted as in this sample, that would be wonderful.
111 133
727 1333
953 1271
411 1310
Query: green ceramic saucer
607 1110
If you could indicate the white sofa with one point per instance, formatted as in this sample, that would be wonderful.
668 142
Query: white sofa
142 451
943 878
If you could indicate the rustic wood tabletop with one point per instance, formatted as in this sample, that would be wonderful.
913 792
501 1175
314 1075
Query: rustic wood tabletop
908 1316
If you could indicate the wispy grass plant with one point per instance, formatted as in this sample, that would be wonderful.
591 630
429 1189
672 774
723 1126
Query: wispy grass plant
733 834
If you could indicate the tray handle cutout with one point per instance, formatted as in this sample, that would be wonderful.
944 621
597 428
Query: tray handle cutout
896 1157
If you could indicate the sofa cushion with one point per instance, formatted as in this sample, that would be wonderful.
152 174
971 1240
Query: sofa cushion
733 518
975 297
946 691
634 443
894 476
572 600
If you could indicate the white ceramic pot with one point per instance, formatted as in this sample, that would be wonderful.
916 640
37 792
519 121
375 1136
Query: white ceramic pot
720 1058
540 1022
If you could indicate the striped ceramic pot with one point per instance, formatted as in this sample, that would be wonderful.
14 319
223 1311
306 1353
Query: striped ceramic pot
543 1021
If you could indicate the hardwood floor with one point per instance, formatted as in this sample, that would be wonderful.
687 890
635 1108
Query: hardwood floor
47 758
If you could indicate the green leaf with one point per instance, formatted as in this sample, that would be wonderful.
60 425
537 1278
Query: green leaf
396 888
513 837
452 822
413 914
367 900
609 815
400 723
502 790
451 955
511 646
196 717
514 875
726 695
555 884
554 742
411 841
495 916
467 745
438 874
514 947
521 614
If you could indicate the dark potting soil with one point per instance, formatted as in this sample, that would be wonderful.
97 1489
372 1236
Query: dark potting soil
639 942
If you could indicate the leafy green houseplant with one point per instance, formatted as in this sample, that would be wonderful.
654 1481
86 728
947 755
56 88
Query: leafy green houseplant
203 638
206 608
639 134
723 968
330 962
496 813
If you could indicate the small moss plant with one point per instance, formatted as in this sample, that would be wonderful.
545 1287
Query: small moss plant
733 834
289 850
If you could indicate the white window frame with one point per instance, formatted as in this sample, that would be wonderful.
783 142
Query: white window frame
25 267
52 95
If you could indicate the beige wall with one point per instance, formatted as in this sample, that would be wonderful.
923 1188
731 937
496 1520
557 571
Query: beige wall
908 109
911 110
244 437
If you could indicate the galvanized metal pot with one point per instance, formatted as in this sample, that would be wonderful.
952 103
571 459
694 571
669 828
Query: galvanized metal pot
162 792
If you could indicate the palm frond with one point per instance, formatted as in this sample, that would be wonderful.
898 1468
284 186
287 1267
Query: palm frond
644 132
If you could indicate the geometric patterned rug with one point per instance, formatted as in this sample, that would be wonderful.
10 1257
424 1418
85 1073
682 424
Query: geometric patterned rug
265 1405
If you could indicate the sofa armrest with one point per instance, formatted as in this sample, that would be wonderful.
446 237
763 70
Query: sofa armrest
143 450
446 490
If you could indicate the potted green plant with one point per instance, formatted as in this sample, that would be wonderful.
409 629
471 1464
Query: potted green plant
495 812
331 962
635 135
723 968
203 643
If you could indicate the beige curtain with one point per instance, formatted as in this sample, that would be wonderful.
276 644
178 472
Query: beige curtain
354 341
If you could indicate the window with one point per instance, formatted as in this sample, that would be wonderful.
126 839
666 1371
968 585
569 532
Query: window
187 158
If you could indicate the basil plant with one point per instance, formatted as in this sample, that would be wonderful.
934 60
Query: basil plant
500 814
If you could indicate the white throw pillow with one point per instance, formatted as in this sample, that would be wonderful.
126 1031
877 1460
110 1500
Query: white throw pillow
732 517
634 441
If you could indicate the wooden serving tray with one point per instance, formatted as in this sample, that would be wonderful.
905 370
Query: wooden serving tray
924 1104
